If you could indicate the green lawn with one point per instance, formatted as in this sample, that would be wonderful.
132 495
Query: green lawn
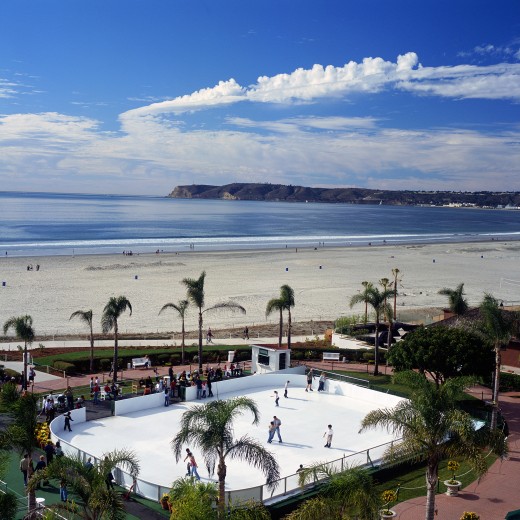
412 481
108 353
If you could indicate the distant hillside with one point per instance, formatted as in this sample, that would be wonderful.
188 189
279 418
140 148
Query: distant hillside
280 192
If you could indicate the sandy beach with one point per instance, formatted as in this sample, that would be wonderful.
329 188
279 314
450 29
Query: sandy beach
323 279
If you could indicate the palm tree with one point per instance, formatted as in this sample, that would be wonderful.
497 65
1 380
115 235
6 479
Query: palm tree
109 321
95 500
431 427
498 329
210 427
395 272
276 304
378 300
86 317
195 288
348 494
23 330
181 307
287 296
457 303
385 283
21 435
366 288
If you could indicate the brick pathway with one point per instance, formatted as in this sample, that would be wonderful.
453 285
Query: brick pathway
496 493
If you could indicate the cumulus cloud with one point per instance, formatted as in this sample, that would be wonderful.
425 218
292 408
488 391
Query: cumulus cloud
369 76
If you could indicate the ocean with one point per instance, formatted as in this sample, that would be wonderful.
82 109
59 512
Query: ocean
43 224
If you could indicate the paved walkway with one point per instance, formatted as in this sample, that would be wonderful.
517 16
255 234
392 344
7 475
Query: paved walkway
497 492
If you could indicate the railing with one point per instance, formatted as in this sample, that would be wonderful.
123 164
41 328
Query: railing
347 379
290 484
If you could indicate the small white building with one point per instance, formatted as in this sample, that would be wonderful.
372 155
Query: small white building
269 358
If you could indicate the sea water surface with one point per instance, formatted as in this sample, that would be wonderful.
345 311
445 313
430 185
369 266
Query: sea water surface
65 224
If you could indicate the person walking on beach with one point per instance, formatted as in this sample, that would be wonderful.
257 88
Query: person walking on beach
277 424
286 388
276 398
271 430
328 434
246 333
309 381
209 336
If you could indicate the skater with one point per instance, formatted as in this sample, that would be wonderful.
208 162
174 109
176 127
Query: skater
208 386
188 465
286 388
194 466
309 381
166 396
271 430
277 424
321 386
328 433
276 398
68 418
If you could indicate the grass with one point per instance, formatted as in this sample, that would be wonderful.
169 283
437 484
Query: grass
381 382
108 353
412 481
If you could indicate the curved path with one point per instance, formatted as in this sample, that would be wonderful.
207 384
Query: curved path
497 491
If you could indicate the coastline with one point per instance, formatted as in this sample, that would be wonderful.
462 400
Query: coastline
324 279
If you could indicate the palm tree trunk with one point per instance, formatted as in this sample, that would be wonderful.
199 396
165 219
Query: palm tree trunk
24 386
200 340
280 332
376 349
91 350
366 312
496 387
221 473
289 324
116 350
431 485
183 332
31 495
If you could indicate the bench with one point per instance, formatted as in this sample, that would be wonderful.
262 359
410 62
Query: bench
331 356
140 362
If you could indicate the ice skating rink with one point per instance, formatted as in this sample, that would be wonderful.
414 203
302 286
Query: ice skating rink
304 416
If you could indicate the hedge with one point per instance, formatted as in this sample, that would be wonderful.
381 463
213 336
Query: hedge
68 368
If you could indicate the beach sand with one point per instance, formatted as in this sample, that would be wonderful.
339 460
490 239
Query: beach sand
323 280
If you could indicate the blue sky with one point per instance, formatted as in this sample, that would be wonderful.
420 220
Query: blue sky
138 96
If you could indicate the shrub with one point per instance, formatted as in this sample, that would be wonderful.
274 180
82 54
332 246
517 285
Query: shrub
8 505
68 368
369 356
105 363
162 358
175 359
469 515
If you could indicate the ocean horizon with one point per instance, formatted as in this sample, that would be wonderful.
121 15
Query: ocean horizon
48 224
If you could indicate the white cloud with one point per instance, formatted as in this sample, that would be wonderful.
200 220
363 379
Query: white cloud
56 152
500 81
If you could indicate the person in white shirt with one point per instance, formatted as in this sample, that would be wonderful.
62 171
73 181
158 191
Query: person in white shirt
328 433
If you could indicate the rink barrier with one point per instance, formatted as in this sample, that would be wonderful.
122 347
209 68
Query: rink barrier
285 486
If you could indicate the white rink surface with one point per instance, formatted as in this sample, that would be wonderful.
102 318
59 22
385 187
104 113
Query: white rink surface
304 417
